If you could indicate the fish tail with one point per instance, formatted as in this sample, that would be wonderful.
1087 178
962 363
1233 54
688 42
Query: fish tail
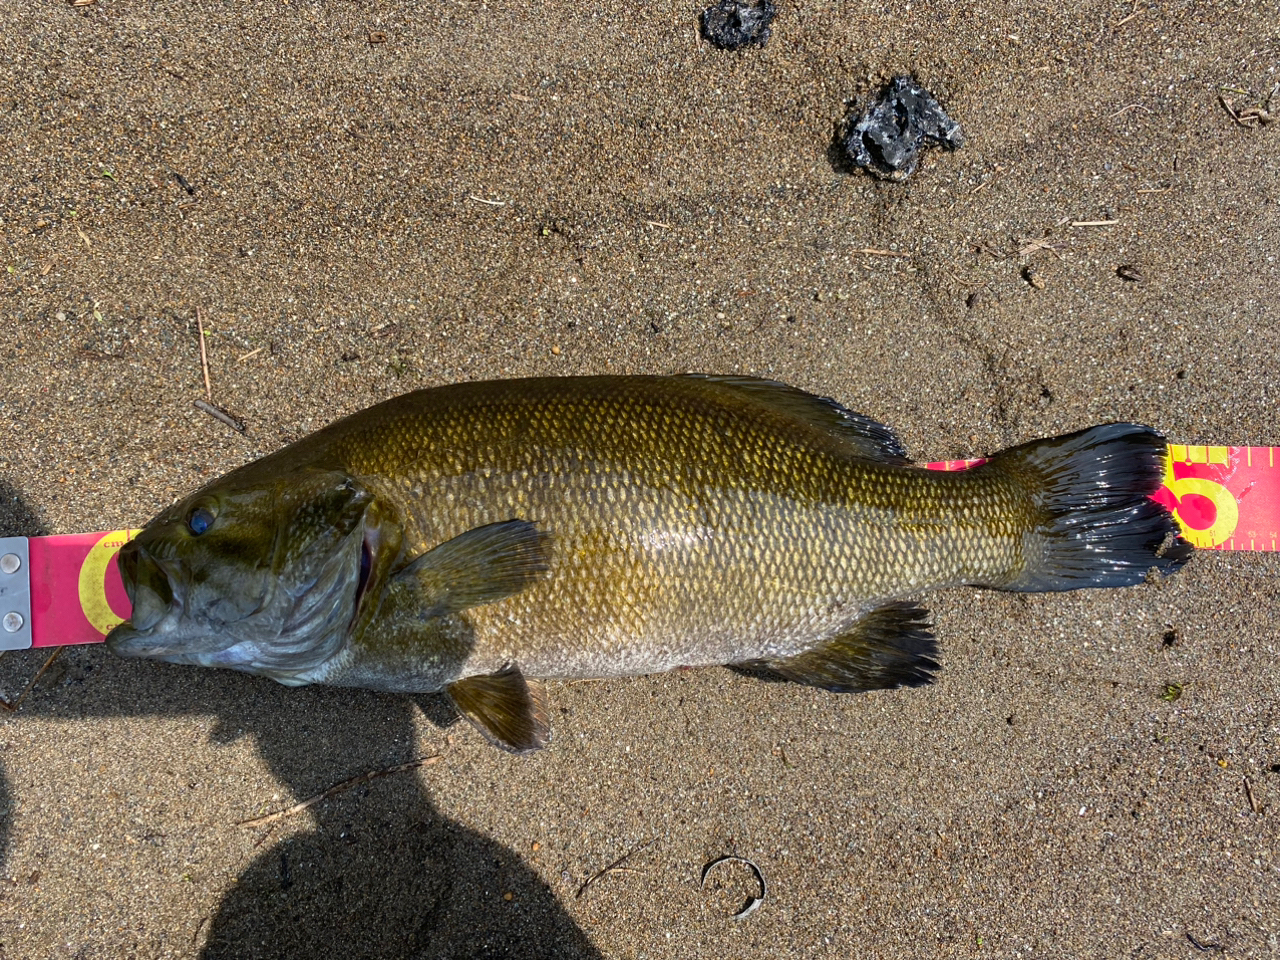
1093 522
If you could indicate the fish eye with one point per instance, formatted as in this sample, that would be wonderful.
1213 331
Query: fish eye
199 520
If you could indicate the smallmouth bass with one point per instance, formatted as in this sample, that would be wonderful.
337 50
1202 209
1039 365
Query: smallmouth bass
472 538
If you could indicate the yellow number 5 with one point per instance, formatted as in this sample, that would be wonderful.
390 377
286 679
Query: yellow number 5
1226 508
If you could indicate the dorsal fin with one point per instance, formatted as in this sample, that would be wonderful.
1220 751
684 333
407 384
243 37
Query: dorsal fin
869 439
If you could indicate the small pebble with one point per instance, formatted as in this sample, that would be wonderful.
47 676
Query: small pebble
886 136
733 24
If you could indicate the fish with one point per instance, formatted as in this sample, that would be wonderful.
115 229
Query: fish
480 538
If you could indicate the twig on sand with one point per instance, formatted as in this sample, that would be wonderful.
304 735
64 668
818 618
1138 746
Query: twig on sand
1127 108
615 867
873 252
1201 945
1226 105
339 788
1032 245
1133 13
199 926
271 828
1248 795
204 356
220 415
956 278
492 203
1094 223
12 705
1249 115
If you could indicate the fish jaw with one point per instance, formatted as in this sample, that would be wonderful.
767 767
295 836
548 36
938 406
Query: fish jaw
245 655
159 627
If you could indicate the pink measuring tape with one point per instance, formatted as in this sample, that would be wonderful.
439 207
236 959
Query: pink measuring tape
66 589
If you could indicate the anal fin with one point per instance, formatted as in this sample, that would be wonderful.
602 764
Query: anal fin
509 710
892 646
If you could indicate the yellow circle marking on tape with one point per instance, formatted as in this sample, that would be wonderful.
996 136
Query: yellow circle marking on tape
1224 503
93 580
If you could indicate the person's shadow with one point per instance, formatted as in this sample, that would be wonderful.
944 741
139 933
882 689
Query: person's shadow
381 873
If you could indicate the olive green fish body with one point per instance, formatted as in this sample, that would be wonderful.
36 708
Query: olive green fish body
690 522
607 526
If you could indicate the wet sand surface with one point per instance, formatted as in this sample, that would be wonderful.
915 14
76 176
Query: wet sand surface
366 198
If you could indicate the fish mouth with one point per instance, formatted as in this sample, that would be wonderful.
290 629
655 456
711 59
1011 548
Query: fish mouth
149 585
125 641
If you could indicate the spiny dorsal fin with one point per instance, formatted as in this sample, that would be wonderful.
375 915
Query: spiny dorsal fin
891 646
508 709
483 565
871 440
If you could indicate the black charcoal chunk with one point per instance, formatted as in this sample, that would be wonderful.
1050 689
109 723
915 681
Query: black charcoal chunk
886 136
733 24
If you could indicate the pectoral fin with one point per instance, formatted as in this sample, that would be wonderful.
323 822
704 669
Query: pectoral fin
480 566
891 646
508 709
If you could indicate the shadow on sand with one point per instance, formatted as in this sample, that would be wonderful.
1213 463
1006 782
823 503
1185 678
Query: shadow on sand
381 873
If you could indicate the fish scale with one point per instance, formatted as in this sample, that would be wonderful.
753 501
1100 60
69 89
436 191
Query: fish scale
582 527
612 603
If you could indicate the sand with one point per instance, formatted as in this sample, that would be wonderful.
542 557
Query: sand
365 198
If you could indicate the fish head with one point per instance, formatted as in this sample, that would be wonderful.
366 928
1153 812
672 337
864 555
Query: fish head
266 574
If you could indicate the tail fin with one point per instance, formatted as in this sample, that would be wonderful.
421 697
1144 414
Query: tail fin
1098 525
